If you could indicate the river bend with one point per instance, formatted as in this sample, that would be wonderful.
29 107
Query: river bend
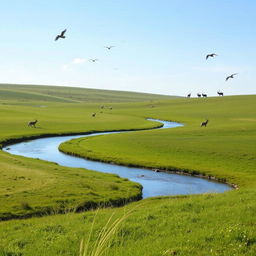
154 183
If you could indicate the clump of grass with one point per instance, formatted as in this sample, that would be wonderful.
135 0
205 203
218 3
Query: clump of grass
25 206
114 187
105 237
8 253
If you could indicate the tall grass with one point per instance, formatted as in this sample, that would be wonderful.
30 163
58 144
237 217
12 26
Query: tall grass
105 237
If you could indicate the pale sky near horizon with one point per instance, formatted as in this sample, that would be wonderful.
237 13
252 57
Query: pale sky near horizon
160 45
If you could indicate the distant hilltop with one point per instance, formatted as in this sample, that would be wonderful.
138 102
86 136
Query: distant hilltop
72 94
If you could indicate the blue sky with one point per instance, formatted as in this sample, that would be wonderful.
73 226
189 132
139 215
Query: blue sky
160 45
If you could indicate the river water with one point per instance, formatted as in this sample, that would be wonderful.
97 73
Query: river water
154 183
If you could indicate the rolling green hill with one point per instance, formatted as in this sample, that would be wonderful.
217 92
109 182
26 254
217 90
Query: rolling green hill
200 225
71 94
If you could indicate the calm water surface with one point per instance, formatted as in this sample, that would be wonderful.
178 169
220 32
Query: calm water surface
154 183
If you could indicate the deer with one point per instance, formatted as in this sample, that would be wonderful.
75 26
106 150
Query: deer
189 95
198 95
204 95
93 114
32 123
204 123
220 93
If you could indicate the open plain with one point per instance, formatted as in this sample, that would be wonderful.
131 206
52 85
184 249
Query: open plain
47 195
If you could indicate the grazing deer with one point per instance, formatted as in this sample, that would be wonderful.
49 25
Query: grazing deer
204 123
198 95
32 123
220 93
204 95
93 114
189 95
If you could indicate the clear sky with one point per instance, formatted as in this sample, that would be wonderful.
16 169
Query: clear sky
160 45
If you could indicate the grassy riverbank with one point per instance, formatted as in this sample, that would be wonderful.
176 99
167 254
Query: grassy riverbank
192 225
225 149
32 187
209 224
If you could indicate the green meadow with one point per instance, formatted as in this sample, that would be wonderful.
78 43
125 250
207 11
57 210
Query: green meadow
58 203
30 187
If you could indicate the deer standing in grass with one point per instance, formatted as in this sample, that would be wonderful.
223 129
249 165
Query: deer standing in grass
220 93
204 123
32 123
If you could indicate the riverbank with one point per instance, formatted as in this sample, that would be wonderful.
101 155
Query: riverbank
74 148
31 187
160 184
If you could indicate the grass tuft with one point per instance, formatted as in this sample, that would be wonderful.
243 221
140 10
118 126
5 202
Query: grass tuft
105 237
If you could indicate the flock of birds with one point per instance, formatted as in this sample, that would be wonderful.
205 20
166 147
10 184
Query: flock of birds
212 55
62 35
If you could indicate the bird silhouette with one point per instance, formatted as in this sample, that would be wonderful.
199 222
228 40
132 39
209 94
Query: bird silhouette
61 35
211 55
93 60
109 47
231 76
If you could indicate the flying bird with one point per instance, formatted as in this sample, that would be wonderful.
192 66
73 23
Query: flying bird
93 60
231 76
109 47
211 55
61 35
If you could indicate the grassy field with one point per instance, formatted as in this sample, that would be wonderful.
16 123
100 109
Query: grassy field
22 93
33 187
209 224
223 149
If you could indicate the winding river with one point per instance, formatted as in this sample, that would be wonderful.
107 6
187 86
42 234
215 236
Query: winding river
154 183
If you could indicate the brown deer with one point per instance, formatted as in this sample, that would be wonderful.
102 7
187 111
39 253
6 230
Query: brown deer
204 95
93 114
189 95
32 123
198 95
220 93
204 123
